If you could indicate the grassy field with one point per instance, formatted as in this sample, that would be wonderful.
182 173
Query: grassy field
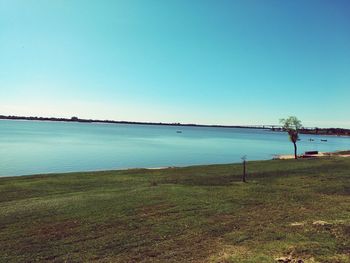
193 214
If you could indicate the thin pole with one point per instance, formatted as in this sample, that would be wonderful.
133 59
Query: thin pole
244 172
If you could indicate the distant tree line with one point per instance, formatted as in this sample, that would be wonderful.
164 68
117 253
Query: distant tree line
319 131
76 119
326 131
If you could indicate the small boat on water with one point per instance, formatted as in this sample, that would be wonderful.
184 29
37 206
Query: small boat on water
178 131
323 140
311 140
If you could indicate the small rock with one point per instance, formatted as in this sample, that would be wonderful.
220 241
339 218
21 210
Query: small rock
321 223
297 224
283 259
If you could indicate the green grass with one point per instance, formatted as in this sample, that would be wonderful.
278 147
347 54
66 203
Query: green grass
192 214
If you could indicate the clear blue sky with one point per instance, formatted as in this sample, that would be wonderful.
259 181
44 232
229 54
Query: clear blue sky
215 62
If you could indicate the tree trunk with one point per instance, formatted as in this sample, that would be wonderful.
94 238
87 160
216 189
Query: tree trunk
295 150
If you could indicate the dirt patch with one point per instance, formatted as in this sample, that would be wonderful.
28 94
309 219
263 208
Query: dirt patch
55 231
192 248
228 252
156 211
202 180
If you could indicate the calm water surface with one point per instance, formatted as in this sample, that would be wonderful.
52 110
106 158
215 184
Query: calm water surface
32 147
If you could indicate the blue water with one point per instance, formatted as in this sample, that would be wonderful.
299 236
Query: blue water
32 147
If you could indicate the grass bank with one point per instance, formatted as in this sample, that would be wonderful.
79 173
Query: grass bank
192 214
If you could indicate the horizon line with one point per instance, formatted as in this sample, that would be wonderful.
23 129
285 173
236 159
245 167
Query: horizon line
77 119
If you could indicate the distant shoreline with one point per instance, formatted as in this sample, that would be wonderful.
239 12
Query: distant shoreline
75 119
276 128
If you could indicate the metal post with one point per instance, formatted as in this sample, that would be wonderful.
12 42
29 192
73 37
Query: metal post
244 168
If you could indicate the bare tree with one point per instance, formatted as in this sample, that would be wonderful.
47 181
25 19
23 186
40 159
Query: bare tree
292 125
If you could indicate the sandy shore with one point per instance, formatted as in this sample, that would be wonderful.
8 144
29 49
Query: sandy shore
319 154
